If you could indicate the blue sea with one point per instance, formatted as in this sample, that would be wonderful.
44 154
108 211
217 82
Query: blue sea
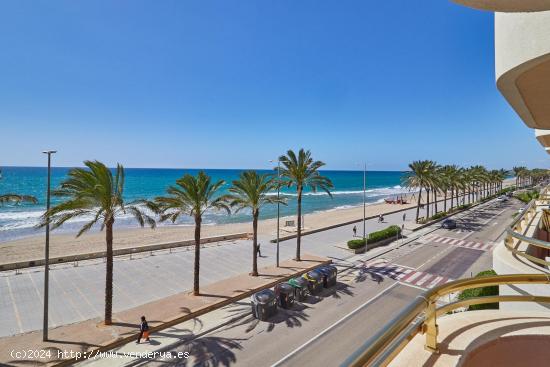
17 221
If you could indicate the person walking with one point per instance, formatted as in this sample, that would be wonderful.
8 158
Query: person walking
354 231
143 330
258 249
404 216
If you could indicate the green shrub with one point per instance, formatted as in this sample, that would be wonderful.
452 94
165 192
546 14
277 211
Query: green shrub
355 244
438 215
462 207
506 190
481 292
527 196
391 231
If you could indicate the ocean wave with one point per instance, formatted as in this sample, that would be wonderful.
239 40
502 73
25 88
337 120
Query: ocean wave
19 220
394 190
26 219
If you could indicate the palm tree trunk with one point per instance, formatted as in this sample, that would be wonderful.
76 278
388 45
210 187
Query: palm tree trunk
255 244
196 270
299 231
109 272
434 194
427 204
444 200
418 204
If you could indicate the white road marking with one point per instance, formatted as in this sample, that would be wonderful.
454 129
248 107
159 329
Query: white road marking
424 279
412 286
434 282
406 272
311 340
413 277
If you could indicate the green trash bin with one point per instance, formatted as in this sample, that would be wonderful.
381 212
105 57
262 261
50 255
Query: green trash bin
300 288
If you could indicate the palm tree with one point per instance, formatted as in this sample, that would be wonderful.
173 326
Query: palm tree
502 173
193 196
95 192
479 178
436 183
447 179
521 174
460 184
251 191
419 178
16 199
303 172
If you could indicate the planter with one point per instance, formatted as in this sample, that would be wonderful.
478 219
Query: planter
360 250
363 249
382 243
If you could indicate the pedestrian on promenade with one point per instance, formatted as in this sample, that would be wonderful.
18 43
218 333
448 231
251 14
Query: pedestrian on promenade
354 231
404 216
143 330
258 249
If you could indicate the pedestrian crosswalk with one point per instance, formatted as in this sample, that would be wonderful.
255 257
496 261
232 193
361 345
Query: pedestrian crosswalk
405 275
476 245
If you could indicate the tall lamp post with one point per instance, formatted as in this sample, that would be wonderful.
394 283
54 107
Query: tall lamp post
278 204
47 250
364 201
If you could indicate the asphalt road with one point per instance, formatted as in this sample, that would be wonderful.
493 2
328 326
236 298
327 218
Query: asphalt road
326 329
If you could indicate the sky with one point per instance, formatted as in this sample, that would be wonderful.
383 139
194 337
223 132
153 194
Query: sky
234 84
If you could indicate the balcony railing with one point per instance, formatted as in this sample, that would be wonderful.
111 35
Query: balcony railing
515 231
421 316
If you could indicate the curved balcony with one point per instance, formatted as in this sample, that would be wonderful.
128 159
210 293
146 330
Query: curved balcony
522 63
426 316
543 136
527 238
507 5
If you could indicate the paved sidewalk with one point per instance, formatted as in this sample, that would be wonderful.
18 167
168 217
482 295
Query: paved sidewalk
85 336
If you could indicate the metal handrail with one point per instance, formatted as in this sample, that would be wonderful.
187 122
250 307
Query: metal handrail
514 237
420 316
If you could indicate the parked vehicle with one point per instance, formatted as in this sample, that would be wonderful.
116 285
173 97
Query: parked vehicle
448 224
520 210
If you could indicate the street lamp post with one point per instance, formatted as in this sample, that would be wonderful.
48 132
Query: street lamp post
278 204
47 251
364 201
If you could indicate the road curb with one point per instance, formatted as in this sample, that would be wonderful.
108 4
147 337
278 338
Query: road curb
332 226
187 317
121 251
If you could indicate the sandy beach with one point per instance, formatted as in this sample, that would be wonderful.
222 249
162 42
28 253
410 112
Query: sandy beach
66 244
32 248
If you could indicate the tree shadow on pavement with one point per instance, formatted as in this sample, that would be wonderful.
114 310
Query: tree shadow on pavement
338 290
290 318
376 273
207 351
